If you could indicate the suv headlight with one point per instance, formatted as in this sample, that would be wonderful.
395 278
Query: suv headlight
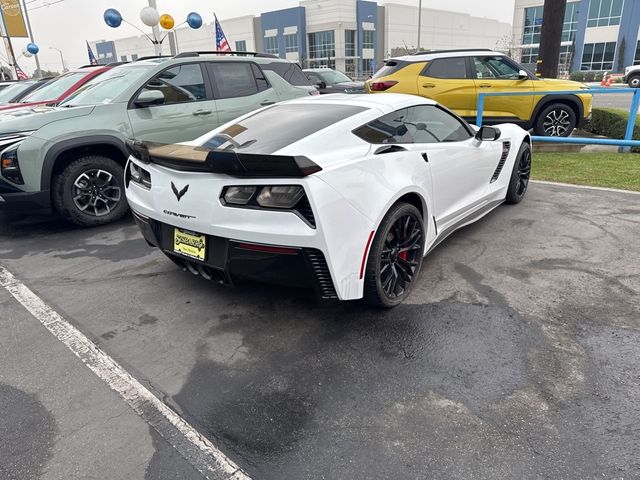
9 166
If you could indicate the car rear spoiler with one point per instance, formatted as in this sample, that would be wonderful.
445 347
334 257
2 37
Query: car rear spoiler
187 158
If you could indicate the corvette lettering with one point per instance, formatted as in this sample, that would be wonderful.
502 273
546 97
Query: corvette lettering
179 215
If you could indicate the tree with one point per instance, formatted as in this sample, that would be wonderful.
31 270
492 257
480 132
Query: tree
551 38
44 74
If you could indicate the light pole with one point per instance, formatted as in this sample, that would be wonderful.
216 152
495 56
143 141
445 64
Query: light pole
64 65
419 22
26 17
157 46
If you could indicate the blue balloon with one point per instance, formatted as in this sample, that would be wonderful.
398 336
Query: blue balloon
33 48
112 17
194 20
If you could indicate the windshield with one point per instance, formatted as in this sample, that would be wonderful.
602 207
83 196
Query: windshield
332 77
106 87
13 91
51 91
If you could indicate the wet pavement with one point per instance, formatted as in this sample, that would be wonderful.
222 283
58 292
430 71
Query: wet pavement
515 357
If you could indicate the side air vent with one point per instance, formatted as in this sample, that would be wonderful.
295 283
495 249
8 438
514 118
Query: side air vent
506 146
323 276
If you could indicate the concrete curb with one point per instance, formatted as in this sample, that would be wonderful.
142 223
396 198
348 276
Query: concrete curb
585 187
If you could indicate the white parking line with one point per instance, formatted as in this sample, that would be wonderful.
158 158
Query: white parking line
585 187
196 449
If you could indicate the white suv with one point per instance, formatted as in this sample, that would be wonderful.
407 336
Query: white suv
632 76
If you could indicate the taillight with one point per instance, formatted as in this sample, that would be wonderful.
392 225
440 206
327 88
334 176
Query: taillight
382 86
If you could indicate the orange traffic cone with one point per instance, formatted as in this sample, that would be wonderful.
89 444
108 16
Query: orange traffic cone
609 81
603 82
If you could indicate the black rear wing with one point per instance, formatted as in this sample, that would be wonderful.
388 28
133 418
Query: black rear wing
187 158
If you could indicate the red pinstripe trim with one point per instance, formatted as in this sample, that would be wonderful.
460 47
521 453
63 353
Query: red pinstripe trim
364 256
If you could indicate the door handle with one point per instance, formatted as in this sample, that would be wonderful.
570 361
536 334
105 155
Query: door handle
267 102
485 85
202 112
428 85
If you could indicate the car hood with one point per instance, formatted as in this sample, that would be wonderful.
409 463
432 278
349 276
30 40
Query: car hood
559 84
33 118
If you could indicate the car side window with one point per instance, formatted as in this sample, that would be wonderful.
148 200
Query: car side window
495 67
419 124
180 84
290 72
235 79
453 68
261 80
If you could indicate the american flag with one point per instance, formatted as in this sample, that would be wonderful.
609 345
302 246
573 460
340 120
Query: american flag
221 41
20 73
92 58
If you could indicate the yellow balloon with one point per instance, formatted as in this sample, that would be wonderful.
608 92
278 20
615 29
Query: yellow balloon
167 22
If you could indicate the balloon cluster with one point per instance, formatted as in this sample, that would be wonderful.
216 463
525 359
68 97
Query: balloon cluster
150 17
30 50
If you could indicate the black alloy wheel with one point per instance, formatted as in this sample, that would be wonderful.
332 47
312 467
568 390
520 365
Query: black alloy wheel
520 175
395 257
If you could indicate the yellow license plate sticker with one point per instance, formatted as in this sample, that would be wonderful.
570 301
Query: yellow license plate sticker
190 244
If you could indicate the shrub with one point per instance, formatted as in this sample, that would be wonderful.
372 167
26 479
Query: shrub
591 76
612 123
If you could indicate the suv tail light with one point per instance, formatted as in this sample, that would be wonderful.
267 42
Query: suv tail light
382 86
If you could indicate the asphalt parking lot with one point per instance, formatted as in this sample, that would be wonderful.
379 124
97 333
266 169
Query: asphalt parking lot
516 357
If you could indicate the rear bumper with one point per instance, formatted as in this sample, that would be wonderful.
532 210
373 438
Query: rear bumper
15 200
228 260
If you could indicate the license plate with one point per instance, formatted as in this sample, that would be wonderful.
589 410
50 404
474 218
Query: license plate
190 244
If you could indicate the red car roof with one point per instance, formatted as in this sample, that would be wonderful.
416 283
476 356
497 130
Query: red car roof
90 73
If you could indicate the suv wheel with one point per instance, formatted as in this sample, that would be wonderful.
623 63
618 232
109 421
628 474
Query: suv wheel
634 81
90 191
556 120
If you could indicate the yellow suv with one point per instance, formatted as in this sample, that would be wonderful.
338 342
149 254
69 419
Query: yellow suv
454 78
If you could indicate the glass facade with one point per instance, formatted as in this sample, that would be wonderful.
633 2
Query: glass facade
349 43
368 38
350 67
322 44
598 56
367 67
603 13
532 26
241 46
291 43
271 45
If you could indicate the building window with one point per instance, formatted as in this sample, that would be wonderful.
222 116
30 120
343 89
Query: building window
134 57
241 46
570 25
291 43
322 44
271 45
367 38
349 43
367 67
123 58
598 56
636 59
603 13
350 67
532 25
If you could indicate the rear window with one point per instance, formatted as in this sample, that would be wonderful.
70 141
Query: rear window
390 66
290 72
274 128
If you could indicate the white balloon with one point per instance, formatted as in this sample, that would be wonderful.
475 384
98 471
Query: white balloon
149 16
27 53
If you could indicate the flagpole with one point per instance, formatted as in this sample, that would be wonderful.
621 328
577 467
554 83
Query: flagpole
26 17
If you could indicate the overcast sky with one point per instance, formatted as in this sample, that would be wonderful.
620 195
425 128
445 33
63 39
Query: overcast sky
66 24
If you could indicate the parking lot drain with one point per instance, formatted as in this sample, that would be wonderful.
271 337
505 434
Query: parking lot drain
195 448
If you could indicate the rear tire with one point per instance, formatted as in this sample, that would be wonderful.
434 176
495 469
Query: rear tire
520 174
395 257
555 120
634 81
90 191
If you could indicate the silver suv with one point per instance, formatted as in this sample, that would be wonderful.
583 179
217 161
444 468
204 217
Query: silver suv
72 157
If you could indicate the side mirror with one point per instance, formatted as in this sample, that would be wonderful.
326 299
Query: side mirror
148 98
321 85
522 75
488 134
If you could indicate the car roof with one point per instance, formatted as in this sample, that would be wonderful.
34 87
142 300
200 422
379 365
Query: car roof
426 56
382 101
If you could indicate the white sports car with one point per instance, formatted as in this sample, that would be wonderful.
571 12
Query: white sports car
342 193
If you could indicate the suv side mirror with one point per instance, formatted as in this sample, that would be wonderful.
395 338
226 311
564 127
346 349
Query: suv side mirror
148 98
321 85
522 75
488 134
